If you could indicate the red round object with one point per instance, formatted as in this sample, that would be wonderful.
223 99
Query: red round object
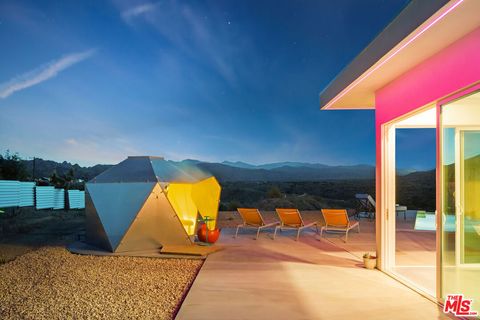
212 234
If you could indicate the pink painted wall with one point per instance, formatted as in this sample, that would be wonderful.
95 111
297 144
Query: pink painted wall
455 67
450 70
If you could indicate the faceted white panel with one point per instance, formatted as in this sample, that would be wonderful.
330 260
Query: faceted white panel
117 204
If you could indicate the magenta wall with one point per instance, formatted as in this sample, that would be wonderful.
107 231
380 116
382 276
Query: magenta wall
450 70
454 68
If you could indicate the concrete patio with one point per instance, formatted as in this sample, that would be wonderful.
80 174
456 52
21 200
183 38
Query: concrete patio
308 279
414 254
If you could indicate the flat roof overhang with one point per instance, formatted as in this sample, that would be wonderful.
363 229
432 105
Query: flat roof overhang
422 29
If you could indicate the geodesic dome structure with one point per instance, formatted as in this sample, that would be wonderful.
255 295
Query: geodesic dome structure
144 203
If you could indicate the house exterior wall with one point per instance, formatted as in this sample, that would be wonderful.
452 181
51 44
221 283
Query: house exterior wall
450 70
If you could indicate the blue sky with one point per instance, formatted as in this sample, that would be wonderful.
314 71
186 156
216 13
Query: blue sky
95 81
415 149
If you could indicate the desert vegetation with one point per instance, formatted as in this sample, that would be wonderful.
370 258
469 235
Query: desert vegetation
415 190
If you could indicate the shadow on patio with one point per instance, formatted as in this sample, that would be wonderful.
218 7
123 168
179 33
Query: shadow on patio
308 279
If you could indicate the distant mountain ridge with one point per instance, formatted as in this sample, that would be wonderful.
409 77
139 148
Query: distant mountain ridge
45 168
286 171
228 171
275 165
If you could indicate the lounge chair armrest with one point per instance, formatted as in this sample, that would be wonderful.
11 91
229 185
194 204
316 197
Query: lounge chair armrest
310 224
351 225
271 224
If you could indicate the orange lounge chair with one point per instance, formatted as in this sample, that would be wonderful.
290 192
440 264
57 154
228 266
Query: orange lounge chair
291 219
336 220
253 219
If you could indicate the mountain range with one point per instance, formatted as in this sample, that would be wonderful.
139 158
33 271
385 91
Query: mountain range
228 171
286 171
45 168
275 165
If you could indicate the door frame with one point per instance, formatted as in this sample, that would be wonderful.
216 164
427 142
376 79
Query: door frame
385 212
388 200
474 87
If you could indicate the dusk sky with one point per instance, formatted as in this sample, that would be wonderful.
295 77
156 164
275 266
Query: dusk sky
95 81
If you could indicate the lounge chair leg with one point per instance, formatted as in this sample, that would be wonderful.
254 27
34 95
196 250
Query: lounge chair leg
358 226
236 233
316 227
346 236
321 234
275 232
298 234
258 231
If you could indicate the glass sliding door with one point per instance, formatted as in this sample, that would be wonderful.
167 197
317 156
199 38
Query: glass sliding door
415 229
460 195
469 202
408 231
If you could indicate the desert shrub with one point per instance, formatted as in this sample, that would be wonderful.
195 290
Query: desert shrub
233 205
417 191
274 192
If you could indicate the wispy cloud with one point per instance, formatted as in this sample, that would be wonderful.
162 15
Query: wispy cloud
137 10
43 73
203 35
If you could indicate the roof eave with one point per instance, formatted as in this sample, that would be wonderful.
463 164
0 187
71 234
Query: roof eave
408 20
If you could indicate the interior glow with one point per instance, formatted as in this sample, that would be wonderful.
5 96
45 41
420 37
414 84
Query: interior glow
424 119
191 199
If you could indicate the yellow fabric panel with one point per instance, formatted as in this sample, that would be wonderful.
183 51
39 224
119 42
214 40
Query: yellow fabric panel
335 217
290 217
180 197
206 196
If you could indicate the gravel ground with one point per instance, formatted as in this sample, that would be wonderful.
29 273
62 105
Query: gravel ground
51 283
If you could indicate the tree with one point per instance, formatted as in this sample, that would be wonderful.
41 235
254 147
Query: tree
57 180
274 192
12 167
69 178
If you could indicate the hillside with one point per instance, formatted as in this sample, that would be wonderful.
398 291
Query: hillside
233 171
45 168
225 172
301 185
268 166
415 190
